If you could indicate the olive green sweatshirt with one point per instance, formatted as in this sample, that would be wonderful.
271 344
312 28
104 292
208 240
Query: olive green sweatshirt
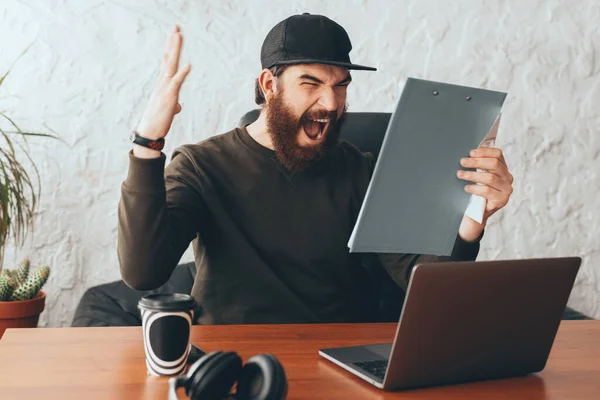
270 246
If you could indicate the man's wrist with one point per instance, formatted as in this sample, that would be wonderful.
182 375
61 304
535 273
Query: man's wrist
470 231
149 133
146 145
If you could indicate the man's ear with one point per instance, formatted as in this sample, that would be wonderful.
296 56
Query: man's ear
268 83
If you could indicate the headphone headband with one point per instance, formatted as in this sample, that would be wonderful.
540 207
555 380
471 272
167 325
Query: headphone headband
213 375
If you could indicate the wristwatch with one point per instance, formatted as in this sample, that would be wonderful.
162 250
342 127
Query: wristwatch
157 144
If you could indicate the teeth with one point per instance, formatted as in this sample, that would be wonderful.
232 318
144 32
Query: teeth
321 120
319 135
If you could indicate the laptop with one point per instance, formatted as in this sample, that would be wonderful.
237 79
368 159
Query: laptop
468 321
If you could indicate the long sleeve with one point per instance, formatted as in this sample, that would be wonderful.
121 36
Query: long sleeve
400 266
159 214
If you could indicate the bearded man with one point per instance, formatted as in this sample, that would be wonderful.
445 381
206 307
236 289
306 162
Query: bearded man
270 206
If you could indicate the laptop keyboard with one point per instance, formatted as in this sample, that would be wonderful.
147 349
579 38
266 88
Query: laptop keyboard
376 367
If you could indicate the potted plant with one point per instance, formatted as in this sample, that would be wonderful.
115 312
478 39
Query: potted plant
21 298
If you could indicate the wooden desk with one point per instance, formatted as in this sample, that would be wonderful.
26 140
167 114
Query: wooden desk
108 363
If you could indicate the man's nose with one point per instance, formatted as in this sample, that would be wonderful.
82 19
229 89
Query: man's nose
329 100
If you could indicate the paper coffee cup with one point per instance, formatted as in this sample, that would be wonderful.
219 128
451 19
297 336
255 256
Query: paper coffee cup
166 324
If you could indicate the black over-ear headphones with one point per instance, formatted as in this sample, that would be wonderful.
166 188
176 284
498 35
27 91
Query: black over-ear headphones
213 375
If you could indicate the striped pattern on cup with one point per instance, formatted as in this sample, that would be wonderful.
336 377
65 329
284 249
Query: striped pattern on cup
166 340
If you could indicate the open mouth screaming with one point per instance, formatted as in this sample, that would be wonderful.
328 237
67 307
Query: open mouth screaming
315 128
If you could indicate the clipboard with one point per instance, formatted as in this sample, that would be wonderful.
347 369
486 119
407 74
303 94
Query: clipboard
415 202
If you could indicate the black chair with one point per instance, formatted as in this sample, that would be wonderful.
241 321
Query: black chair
115 303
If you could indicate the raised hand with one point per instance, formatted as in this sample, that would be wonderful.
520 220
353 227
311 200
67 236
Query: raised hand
494 182
164 100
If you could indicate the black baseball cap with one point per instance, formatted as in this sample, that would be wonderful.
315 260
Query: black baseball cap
308 39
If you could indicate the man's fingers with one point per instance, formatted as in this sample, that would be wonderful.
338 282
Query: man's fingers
163 65
172 62
488 152
485 178
484 191
493 152
179 77
498 198
490 164
165 57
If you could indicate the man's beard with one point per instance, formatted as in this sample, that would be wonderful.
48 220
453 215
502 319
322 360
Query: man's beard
283 128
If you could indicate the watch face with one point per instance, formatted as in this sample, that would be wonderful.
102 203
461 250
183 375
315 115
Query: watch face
156 144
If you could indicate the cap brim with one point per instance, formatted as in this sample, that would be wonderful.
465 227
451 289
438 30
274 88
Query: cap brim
327 62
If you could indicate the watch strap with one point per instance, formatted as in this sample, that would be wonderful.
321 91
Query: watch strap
154 144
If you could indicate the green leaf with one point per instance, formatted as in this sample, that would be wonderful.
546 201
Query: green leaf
14 62
3 77
19 194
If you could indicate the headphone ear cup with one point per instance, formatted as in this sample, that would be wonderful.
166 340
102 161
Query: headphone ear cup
262 378
213 375
280 383
192 375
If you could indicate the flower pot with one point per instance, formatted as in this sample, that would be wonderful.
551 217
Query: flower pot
21 314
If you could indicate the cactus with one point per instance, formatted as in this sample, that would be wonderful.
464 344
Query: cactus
32 286
22 271
20 284
6 288
10 274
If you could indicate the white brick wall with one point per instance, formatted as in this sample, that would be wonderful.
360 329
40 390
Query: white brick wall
93 63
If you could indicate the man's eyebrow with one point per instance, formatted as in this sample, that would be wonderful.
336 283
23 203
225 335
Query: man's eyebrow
347 79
